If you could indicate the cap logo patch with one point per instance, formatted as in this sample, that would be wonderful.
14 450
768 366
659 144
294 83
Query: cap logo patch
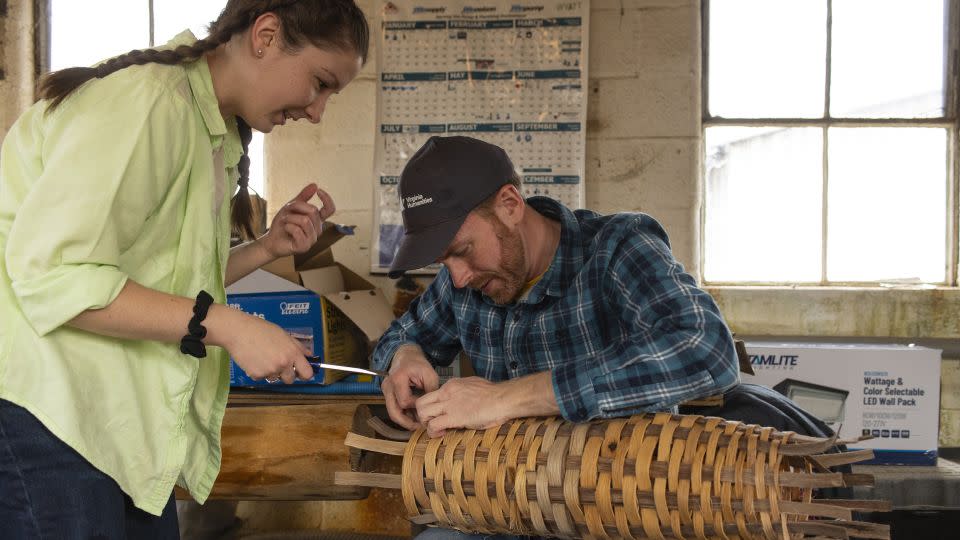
417 200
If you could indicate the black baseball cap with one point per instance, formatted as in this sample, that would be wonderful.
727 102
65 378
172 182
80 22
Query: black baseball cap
443 182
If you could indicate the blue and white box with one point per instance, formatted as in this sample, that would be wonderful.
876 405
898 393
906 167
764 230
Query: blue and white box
890 392
297 312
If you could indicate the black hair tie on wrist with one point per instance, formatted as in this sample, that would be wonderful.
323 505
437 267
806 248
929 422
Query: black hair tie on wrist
192 343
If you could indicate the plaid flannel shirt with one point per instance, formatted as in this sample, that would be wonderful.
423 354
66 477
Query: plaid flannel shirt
615 319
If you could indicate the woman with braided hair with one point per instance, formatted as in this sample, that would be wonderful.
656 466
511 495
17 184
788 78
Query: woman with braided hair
115 223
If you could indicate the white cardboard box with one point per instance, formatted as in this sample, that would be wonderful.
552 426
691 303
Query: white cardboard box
891 392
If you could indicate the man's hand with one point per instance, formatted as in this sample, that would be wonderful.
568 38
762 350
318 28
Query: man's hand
409 370
472 403
476 403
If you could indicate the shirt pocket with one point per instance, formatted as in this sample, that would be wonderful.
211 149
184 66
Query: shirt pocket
478 338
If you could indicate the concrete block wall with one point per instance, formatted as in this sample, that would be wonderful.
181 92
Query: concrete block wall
643 130
950 402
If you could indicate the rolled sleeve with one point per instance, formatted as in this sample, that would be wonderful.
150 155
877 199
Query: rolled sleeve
106 164
52 299
573 387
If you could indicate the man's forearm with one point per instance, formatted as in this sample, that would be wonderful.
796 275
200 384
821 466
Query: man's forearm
406 348
530 395
477 403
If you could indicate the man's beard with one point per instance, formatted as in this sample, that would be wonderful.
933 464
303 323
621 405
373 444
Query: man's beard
512 274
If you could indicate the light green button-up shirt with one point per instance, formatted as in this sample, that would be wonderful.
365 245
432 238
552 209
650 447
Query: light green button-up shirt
129 178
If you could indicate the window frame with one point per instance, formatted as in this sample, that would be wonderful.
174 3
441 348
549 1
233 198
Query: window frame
948 121
42 10
41 39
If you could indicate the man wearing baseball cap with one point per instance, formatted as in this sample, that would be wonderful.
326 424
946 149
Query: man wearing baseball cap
560 311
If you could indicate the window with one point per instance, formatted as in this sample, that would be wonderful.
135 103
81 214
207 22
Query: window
830 137
78 37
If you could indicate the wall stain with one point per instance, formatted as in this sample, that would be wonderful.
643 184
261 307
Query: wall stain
636 171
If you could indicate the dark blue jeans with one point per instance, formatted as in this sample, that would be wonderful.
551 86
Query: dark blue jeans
47 490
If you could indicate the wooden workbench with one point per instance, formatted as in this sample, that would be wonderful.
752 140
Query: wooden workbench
287 447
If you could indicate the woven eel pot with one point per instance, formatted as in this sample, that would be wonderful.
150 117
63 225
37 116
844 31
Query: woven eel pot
648 476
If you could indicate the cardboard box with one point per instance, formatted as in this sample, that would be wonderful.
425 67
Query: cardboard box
335 312
891 392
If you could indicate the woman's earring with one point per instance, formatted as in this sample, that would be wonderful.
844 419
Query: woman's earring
259 53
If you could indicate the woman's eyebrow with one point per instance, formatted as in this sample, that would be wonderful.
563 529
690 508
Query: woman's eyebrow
336 81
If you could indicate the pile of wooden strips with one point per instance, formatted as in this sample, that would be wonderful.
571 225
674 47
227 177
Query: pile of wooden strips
647 476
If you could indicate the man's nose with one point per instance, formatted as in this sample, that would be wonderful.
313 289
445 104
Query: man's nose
459 273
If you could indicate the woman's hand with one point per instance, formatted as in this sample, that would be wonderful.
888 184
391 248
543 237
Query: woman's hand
298 224
264 350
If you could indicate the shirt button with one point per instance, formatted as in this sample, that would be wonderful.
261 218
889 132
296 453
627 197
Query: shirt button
513 365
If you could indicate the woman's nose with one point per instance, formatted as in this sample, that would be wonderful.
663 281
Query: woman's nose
315 110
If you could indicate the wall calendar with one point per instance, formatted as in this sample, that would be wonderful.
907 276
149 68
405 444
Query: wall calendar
512 73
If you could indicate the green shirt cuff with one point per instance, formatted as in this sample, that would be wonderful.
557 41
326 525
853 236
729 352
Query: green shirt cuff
51 300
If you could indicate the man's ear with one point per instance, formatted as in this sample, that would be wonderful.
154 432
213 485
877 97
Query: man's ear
510 205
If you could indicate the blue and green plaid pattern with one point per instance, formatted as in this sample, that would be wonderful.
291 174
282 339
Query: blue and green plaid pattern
617 321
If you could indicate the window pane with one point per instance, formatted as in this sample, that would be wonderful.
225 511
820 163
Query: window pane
174 16
79 36
767 58
887 204
887 59
763 204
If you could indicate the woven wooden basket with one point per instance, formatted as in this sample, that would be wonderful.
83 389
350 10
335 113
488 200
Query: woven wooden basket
648 476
